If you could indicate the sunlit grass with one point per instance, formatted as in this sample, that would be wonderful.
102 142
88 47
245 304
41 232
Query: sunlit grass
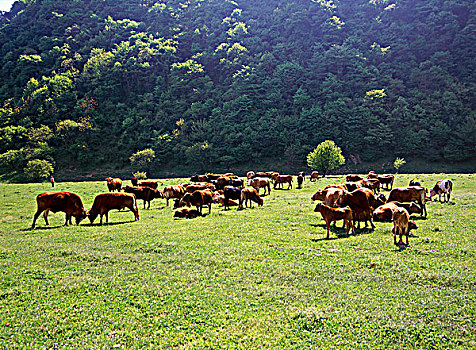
261 277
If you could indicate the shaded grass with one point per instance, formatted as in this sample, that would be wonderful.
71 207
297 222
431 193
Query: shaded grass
261 277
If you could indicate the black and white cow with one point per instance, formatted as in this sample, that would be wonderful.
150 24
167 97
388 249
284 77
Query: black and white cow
414 183
442 187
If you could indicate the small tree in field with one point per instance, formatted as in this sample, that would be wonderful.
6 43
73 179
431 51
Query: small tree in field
38 169
142 159
398 163
326 156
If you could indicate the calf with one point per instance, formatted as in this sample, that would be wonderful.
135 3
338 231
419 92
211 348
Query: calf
187 213
360 202
67 202
409 194
114 184
279 180
401 225
147 194
442 187
314 176
173 191
248 195
334 214
105 202
220 199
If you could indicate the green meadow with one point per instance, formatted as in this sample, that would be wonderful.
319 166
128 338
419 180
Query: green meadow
264 277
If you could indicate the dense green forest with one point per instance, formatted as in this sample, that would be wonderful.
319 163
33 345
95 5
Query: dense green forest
211 84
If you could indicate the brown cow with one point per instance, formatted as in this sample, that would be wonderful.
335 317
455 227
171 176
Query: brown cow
198 199
147 194
151 184
114 184
105 202
353 178
213 177
173 191
199 178
67 202
329 195
373 184
279 180
387 180
372 175
260 182
360 201
314 176
250 174
220 199
248 195
187 213
384 213
334 214
222 181
409 194
199 186
401 220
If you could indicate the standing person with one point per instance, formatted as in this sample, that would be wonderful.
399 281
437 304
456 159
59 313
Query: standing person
52 180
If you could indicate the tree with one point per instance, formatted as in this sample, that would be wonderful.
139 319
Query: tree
38 169
326 156
142 159
398 163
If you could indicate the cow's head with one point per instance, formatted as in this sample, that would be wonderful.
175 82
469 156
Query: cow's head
91 215
82 215
319 195
412 225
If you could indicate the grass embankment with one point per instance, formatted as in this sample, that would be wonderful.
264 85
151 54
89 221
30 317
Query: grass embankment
262 277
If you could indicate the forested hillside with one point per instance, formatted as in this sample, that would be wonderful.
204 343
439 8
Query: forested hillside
220 83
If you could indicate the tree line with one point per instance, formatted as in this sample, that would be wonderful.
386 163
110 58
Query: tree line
220 83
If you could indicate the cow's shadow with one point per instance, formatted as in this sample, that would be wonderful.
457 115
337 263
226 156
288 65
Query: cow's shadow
41 228
340 232
108 223
418 218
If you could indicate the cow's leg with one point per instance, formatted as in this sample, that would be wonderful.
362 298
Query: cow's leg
352 226
209 208
45 216
371 223
328 228
35 217
68 219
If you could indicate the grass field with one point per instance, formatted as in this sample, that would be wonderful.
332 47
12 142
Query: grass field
256 278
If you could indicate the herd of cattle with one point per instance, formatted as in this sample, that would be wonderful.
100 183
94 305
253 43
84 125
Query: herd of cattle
357 199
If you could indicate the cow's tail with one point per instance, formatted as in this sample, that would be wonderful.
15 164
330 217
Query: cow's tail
451 186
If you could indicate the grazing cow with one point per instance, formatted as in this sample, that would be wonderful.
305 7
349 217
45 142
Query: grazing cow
114 184
384 213
353 178
147 194
151 184
329 196
314 176
187 213
198 199
173 191
402 225
414 183
303 174
250 174
199 178
300 180
67 202
213 177
409 194
387 180
279 180
334 214
231 193
248 195
360 201
134 182
442 187
260 182
105 202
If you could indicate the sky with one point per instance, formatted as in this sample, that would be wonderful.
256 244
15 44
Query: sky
5 5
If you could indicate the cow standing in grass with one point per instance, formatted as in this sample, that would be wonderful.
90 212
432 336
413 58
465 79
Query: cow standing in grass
67 202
